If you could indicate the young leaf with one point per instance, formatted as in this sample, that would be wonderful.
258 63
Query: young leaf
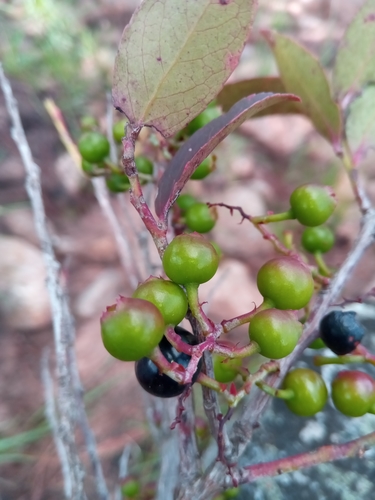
355 61
204 141
360 124
302 75
174 57
233 92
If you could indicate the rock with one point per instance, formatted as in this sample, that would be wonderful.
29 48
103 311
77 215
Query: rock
69 174
101 292
24 298
20 223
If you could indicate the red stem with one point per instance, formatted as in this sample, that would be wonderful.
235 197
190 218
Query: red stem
323 454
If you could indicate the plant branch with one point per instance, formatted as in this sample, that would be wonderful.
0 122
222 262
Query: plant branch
52 418
328 453
65 397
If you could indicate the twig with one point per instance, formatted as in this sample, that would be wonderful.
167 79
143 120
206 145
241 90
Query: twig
64 377
189 456
100 189
81 415
169 467
52 418
123 245
329 453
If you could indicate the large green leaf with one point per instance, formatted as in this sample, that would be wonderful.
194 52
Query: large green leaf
302 75
233 92
175 56
355 62
360 124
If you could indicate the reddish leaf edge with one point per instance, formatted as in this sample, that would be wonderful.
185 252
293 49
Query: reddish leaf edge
204 141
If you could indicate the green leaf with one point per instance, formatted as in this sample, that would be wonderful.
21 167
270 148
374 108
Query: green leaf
360 124
355 61
233 92
302 75
174 57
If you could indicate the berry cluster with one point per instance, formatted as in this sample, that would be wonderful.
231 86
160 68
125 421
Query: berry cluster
94 148
168 359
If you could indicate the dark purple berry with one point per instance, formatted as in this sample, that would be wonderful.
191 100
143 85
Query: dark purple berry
341 332
158 384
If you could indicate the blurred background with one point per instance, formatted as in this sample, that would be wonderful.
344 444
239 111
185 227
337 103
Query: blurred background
65 50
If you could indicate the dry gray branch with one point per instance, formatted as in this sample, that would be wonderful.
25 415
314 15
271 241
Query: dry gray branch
66 367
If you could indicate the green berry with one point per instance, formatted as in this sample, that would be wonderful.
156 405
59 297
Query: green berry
131 328
118 130
225 369
88 123
204 169
87 167
286 282
312 205
309 392
201 218
93 146
167 296
185 201
317 344
117 183
190 258
131 488
276 332
353 393
203 119
144 165
318 239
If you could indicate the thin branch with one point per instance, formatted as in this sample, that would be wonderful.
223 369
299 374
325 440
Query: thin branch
123 245
64 377
190 468
169 467
81 416
52 419
329 453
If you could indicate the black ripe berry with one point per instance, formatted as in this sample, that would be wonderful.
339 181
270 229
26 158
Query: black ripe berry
341 331
158 384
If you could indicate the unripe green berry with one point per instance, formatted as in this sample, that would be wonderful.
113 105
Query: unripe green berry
225 369
167 296
117 183
190 258
185 201
309 391
312 205
201 218
317 344
118 130
286 282
204 169
93 146
88 123
276 332
144 165
131 488
131 328
318 239
203 119
353 393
